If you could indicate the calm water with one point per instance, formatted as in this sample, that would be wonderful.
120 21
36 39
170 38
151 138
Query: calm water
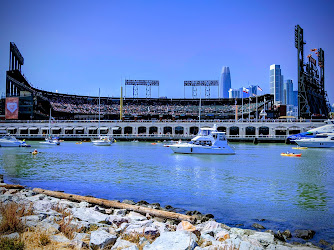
256 183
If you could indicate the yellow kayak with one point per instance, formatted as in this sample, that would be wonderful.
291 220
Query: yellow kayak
79 142
299 148
291 154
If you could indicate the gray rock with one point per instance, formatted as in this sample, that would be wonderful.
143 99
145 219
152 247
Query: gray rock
210 226
6 197
60 238
180 240
130 202
100 239
287 233
123 244
304 234
32 220
278 235
264 238
258 226
43 205
136 216
10 236
90 215
49 227
121 212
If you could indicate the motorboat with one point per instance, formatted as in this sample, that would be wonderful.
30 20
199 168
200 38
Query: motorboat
328 128
51 141
103 141
11 141
207 141
323 140
291 154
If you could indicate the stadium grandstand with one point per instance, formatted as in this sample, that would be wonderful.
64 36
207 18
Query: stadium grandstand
35 104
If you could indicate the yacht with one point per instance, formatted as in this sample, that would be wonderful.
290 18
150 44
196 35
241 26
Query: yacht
207 141
328 128
103 141
51 141
323 140
11 141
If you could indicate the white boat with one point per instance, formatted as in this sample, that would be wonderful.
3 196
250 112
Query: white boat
207 141
11 141
328 128
103 140
51 141
324 140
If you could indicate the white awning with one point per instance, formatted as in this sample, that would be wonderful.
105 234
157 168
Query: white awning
79 128
11 128
116 128
23 128
92 128
33 128
45 128
55 128
104 128
68 128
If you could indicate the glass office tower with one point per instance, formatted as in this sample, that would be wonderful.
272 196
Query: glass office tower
276 83
225 82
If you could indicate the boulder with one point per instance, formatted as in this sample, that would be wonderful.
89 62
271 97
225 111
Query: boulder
278 235
31 220
11 236
264 238
304 234
89 215
210 226
130 202
100 239
60 238
287 234
123 244
50 227
258 226
180 240
136 216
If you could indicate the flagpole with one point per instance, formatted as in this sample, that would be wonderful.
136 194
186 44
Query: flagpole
256 108
249 108
242 106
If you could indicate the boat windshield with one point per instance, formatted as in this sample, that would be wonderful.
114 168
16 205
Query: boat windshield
204 132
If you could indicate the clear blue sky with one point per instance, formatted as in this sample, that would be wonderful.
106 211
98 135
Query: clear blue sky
77 47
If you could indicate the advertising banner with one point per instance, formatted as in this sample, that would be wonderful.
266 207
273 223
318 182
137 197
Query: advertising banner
12 108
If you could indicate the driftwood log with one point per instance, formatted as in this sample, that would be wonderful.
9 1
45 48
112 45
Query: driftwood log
119 205
12 186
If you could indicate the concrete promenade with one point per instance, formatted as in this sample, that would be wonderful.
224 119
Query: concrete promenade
273 130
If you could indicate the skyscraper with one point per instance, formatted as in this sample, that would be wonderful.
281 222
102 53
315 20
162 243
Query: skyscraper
225 82
276 83
288 92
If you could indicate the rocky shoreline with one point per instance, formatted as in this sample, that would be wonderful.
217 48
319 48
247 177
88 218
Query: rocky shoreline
56 223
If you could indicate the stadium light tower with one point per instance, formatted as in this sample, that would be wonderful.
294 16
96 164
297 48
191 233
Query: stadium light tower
195 84
147 83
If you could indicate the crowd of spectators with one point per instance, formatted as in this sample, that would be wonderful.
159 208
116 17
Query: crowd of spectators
90 107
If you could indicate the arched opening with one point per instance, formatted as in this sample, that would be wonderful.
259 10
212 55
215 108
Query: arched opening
263 130
193 130
142 130
68 131
92 131
33 131
179 130
168 130
117 131
56 131
234 130
23 131
250 130
11 130
79 131
153 130
221 129
280 131
294 130
128 130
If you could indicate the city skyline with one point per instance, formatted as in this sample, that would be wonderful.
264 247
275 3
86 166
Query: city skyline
78 47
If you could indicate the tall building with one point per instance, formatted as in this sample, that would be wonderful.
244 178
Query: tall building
276 83
252 90
225 82
234 93
288 92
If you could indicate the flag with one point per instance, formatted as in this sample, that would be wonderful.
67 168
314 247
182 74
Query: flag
245 90
254 94
258 87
